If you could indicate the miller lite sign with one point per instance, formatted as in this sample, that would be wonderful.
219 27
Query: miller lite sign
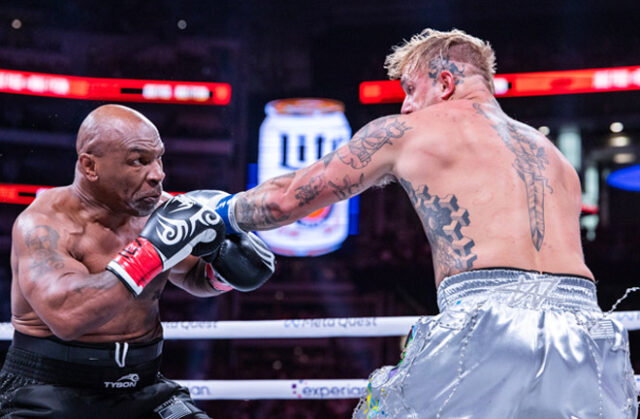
294 134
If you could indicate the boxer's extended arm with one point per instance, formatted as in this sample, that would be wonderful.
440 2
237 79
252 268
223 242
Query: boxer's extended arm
69 300
349 170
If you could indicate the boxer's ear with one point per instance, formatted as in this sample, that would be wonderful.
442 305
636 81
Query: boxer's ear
87 166
447 84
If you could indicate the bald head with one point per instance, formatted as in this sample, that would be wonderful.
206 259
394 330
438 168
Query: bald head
109 125
119 160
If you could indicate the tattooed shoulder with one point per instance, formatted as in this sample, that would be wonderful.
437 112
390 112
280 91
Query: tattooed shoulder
370 139
42 242
41 237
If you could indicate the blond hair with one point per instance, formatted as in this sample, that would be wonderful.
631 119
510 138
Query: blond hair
455 45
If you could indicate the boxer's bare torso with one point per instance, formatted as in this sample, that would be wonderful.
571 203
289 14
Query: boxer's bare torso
62 242
55 237
490 191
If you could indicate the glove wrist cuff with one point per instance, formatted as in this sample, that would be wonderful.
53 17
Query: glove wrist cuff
226 208
136 265
212 279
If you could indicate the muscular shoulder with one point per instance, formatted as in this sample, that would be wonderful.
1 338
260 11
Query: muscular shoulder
445 114
387 128
51 201
45 214
442 126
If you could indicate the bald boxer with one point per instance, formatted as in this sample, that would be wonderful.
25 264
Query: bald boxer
520 334
89 263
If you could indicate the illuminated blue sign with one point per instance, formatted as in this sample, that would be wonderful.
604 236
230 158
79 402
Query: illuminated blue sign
627 178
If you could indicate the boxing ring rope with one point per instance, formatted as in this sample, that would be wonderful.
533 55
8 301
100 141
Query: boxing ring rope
296 329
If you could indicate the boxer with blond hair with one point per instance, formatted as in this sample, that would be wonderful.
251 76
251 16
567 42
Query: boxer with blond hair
520 333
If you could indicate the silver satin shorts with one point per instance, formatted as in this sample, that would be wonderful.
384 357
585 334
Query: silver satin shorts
509 344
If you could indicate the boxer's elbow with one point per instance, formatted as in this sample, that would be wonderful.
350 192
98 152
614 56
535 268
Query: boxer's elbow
67 335
65 323
65 328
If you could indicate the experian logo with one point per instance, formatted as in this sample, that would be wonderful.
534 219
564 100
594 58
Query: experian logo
305 390
126 381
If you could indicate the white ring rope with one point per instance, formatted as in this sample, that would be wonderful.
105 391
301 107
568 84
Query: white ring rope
274 389
281 389
296 328
306 328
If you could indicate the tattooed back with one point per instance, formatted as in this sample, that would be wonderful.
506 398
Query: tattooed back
490 191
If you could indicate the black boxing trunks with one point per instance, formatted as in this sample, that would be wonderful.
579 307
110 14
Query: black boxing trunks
50 378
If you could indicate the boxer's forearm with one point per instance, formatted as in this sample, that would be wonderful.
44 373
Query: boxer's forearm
339 175
266 206
284 199
80 303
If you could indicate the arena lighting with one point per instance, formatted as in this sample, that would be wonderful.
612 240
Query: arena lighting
527 84
619 141
13 193
544 130
624 158
616 127
118 90
627 178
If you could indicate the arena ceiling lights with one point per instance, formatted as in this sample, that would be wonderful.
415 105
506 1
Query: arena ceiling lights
119 90
527 84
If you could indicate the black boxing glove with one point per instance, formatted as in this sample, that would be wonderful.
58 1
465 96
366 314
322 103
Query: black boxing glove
243 262
170 234
223 203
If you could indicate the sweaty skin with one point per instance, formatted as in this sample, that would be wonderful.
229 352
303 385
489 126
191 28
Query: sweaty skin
490 191
63 241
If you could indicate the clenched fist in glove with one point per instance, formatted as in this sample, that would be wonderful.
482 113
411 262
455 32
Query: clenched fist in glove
170 234
243 261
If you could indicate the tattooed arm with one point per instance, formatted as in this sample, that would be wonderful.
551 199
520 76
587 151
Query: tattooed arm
347 171
65 296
